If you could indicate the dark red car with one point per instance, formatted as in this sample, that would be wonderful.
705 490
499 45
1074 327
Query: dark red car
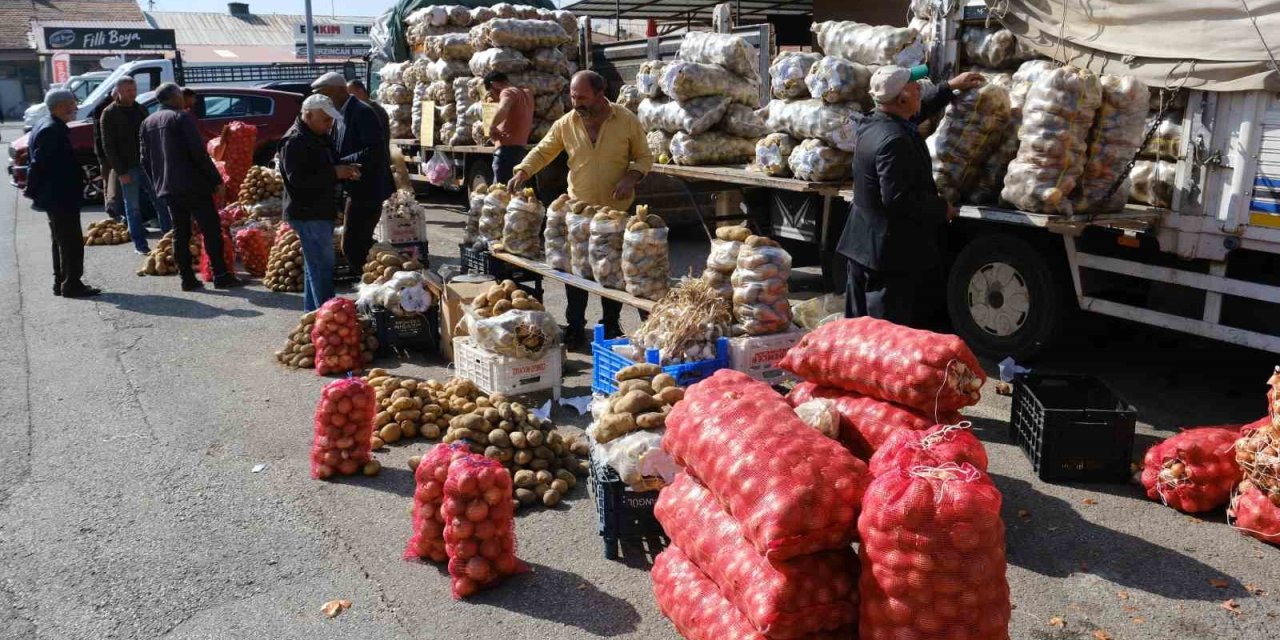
272 112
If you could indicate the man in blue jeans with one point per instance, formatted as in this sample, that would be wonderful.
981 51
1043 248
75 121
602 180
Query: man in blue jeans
120 124
311 173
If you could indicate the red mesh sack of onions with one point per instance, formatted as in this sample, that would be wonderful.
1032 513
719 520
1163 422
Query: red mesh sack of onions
1256 514
427 541
1193 471
694 604
254 248
479 529
931 447
865 422
933 561
793 490
336 336
781 599
234 150
343 424
228 256
232 215
926 371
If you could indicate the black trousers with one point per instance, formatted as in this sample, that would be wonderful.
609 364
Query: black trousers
360 222
68 247
505 160
887 296
184 209
575 313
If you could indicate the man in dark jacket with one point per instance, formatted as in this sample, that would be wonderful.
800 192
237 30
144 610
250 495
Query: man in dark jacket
112 198
173 156
120 124
897 216
56 185
359 139
357 89
311 175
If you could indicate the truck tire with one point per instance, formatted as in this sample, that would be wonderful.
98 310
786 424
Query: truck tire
1003 298
479 173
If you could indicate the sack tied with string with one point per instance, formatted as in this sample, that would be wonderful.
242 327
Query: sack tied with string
932 447
479 529
1193 471
866 423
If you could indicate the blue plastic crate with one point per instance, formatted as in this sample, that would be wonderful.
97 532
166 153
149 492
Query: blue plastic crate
605 364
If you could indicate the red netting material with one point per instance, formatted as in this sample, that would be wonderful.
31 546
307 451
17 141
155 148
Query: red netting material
254 247
479 530
688 598
782 599
342 426
865 422
793 490
427 541
929 372
932 447
1255 515
228 257
933 561
1193 471
336 336
234 150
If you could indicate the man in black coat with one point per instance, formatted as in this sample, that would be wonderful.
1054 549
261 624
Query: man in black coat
359 139
55 184
357 89
895 222
173 155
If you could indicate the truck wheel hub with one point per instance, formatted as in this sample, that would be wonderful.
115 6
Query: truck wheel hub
999 299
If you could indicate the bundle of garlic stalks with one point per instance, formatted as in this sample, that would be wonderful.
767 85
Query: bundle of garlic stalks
684 325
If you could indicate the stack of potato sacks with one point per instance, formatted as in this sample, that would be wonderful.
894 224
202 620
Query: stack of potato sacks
752 271
1153 174
397 98
761 518
700 108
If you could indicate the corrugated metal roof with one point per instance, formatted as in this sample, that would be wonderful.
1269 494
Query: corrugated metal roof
270 29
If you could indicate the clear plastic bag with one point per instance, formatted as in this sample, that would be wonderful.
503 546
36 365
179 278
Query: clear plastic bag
711 147
1117 134
439 169
659 145
493 213
729 51
821 414
871 45
525 35
467 118
721 261
646 256
548 107
400 117
1152 182
787 74
990 183
556 234
628 454
973 127
815 161
505 60
450 46
741 121
476 202
691 116
579 224
515 333
647 78
815 312
607 229
993 47
391 73
834 124
772 154
760 289
394 94
687 80
539 83
630 97
550 60
523 225
1166 142
447 70
837 80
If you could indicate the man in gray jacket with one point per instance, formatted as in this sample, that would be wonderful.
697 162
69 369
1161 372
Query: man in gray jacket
174 158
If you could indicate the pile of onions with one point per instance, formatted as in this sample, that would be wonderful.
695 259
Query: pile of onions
336 337
254 247
343 422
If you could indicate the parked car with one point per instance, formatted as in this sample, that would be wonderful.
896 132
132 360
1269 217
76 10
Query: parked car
272 112
81 85
301 87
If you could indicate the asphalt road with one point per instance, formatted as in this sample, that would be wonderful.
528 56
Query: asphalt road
130 425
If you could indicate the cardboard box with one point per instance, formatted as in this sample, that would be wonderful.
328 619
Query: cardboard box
758 356
458 293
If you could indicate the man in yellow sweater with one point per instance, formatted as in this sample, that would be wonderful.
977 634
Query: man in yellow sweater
608 155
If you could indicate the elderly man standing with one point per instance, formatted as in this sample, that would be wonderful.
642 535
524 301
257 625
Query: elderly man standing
56 185
173 156
892 236
120 125
608 155
311 175
359 139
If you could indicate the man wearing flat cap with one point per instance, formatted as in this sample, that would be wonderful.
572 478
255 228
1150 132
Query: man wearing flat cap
897 216
358 139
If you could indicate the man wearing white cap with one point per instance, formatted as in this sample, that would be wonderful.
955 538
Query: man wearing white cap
358 139
311 173
892 236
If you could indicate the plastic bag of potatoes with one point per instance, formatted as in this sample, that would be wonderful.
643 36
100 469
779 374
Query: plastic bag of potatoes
772 153
691 116
501 59
550 60
991 181
648 76
686 80
493 213
607 229
523 224
525 35
556 234
838 80
788 72
516 333
741 121
711 147
1152 182
630 97
643 399
816 161
760 302
450 46
729 51
974 125
835 124
867 44
540 83
660 146
723 258
578 222
646 258
1117 134
475 201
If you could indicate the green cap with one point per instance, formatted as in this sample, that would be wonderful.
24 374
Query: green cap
919 72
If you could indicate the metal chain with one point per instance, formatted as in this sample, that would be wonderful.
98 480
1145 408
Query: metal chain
1166 101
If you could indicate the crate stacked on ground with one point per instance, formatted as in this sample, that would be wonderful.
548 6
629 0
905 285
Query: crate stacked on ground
760 518
507 343
403 311
700 107
1072 428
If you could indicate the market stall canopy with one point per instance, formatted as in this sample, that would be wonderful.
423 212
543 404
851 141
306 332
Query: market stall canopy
397 47
1212 45
697 11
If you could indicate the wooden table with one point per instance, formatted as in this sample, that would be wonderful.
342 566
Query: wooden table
741 175
463 148
571 280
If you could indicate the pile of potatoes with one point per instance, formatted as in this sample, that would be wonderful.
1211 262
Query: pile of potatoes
408 407
284 264
160 261
299 353
260 183
644 398
106 232
503 297
384 261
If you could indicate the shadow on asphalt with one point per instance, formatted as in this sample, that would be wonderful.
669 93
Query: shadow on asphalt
169 306
271 299
1052 539
568 599
394 480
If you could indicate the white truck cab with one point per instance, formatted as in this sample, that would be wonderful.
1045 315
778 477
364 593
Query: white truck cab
148 74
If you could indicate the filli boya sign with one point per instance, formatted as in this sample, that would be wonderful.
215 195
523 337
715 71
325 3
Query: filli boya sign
108 39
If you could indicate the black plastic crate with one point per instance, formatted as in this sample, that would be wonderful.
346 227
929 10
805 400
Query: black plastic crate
343 273
624 516
483 262
414 330
1073 428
